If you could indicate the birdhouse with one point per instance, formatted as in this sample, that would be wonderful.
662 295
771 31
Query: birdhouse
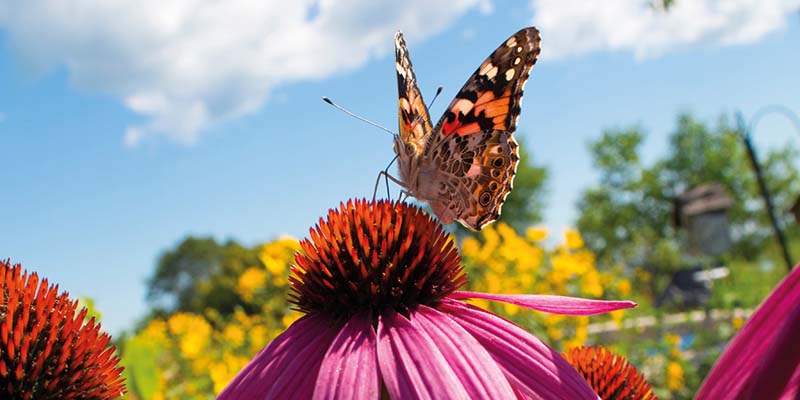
703 212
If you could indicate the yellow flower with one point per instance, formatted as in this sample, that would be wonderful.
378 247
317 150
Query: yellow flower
573 239
555 333
156 331
617 316
233 334
480 303
258 338
737 323
591 284
672 339
674 376
624 287
290 317
192 332
536 234
251 280
222 373
510 309
675 353
494 283
491 240
470 247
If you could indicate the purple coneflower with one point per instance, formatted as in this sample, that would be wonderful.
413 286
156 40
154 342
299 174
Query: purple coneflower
48 349
763 359
611 376
377 282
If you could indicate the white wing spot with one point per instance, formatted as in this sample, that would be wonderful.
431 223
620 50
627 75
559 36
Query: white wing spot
511 42
463 106
519 49
489 70
509 74
517 61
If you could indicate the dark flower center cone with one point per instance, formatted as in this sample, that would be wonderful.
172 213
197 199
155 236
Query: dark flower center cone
611 376
374 255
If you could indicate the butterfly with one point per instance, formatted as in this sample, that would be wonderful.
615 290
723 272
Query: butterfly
464 166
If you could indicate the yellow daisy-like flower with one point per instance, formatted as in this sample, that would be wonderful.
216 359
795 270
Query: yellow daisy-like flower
672 339
573 239
251 280
674 376
536 234
624 287
193 333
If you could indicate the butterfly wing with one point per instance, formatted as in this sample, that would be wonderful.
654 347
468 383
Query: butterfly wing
471 157
415 123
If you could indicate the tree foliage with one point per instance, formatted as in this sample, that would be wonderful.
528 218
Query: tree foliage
627 217
199 273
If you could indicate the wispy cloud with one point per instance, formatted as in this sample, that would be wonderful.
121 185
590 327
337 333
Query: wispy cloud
574 27
186 64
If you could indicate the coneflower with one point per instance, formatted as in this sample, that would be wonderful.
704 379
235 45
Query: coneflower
47 349
610 375
763 359
378 284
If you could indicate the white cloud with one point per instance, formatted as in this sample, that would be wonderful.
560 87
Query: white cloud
187 64
573 27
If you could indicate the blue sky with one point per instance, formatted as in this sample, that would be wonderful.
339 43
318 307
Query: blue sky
118 142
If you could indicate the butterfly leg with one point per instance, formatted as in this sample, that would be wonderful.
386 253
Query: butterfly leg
385 174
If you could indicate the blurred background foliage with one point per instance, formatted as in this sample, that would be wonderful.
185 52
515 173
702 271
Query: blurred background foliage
215 305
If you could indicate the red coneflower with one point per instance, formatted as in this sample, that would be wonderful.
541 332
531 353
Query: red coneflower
47 350
611 376
378 283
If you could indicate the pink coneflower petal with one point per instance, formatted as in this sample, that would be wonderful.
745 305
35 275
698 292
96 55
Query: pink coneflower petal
533 368
350 367
470 361
408 358
780 364
737 366
551 304
288 366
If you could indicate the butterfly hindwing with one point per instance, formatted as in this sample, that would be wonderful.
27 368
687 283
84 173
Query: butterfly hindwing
471 156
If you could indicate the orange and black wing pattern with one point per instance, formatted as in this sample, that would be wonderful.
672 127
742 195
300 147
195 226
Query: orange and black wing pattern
491 97
415 123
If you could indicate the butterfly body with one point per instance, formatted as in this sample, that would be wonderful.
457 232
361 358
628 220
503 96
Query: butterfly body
464 166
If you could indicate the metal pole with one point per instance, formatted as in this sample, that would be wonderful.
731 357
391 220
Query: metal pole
743 131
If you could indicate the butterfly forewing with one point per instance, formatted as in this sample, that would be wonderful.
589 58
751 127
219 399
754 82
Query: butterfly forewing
491 97
415 123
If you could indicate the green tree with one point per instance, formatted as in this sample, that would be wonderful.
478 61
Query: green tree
525 203
199 273
627 218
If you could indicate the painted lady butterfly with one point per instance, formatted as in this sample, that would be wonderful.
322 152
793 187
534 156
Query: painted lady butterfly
465 165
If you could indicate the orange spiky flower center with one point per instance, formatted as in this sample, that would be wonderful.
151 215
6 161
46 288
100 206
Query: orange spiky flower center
374 255
47 350
611 376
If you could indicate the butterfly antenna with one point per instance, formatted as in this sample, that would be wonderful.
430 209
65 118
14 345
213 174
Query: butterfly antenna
438 92
329 101
419 118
